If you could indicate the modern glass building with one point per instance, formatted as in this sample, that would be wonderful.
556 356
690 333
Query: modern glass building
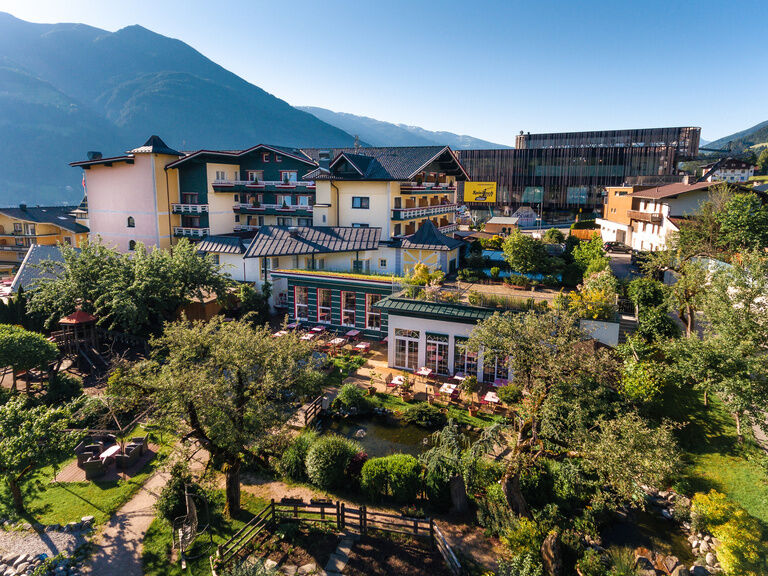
564 173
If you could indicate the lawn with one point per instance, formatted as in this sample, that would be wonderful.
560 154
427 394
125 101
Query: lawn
461 415
59 503
156 555
714 459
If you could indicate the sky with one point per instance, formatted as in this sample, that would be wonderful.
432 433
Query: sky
485 68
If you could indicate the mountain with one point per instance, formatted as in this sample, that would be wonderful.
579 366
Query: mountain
378 133
69 88
758 134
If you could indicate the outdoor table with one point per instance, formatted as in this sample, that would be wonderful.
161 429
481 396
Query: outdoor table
459 377
398 380
492 397
318 329
363 346
308 336
353 334
448 388
280 333
424 371
293 325
337 342
499 382
109 452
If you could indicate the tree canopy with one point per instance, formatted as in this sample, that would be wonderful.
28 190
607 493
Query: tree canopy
230 383
24 350
134 293
524 253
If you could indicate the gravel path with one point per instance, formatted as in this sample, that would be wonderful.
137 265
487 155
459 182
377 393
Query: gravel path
31 542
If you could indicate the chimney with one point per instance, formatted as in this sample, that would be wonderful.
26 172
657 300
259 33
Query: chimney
94 155
324 160
23 207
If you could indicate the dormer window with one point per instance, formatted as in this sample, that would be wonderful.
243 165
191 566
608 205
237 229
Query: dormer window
265 157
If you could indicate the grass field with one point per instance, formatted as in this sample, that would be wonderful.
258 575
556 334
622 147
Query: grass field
50 502
460 415
156 555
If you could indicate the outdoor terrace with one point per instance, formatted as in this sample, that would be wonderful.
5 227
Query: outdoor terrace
422 211
189 208
247 185
273 209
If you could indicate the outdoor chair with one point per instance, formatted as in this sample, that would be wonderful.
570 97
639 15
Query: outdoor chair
84 455
94 468
98 448
141 442
129 457
388 382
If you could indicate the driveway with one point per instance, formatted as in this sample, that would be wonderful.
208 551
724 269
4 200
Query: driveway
620 264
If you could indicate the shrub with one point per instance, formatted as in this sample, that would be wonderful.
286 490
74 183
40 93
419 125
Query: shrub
328 459
437 489
63 388
518 280
355 466
469 275
553 236
495 271
521 565
293 460
398 476
510 394
591 564
172 502
524 537
425 415
623 562
493 511
351 397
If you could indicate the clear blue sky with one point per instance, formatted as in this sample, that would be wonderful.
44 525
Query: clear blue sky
488 69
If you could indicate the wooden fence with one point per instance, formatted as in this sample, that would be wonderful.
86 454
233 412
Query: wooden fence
344 517
313 410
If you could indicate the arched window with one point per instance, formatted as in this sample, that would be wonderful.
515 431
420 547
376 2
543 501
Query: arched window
131 222
132 245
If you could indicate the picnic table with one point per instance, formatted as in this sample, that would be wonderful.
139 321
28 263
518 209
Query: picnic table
424 371
363 346
448 388
280 333
492 397
337 342
308 336
109 452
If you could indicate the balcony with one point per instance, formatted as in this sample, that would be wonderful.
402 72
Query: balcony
425 188
189 208
448 228
245 228
272 209
184 232
246 185
422 211
652 217
13 248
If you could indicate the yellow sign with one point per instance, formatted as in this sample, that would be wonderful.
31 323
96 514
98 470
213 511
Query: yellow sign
479 191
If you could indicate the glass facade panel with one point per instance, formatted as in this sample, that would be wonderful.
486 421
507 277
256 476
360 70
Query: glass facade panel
348 301
324 305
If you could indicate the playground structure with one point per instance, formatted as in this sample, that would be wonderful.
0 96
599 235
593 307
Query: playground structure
79 338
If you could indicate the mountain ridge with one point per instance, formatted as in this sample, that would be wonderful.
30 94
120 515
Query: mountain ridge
743 139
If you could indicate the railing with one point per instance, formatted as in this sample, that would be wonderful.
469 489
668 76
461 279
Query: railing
449 228
313 410
246 227
426 187
626 307
262 207
187 232
653 217
189 208
13 248
344 517
264 183
421 211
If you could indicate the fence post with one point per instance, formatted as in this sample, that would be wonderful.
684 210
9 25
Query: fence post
432 533
322 511
272 510
343 519
363 520
338 516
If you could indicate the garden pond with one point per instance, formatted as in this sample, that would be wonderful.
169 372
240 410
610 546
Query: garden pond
381 436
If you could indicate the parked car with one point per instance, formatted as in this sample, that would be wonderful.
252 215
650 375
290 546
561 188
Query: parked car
616 247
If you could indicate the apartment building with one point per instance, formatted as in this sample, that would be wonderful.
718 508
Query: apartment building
728 170
23 226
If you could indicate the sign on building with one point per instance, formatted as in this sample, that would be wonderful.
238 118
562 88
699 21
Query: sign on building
480 192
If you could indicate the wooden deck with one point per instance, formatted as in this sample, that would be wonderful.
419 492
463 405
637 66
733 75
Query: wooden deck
73 473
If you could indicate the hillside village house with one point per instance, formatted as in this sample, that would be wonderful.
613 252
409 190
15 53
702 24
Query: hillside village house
24 226
642 217
728 170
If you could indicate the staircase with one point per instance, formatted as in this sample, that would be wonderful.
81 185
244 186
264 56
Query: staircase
627 327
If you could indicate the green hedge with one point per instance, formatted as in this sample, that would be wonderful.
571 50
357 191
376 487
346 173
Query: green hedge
397 476
327 461
293 461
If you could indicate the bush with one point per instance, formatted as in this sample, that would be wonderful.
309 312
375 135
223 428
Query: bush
293 460
646 292
553 236
397 476
493 511
584 225
355 467
510 394
591 564
495 271
327 460
518 280
521 565
172 502
623 562
425 415
352 398
470 275
63 388
526 536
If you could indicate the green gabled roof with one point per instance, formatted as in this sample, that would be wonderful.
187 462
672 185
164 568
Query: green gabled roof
434 310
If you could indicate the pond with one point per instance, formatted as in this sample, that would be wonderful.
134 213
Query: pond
649 530
382 437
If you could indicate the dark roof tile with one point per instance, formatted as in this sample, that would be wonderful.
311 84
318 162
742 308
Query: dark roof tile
279 241
60 216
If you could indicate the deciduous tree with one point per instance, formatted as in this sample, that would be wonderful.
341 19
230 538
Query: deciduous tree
24 350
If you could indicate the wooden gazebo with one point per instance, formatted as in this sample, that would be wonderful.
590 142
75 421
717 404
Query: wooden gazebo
78 336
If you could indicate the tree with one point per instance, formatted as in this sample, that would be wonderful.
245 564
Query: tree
553 236
229 383
743 223
596 297
762 161
568 407
24 350
687 293
134 293
30 437
524 253
443 463
585 254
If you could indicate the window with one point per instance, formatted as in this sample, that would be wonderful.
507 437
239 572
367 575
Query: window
237 198
305 221
68 240
361 202
372 315
495 368
255 175
464 362
300 303
282 221
359 225
324 305
237 217
348 308
398 230
29 229
284 200
221 175
288 176
361 266
437 353
324 218
398 202
131 222
278 158
382 262
215 259
18 228
261 220
295 262
132 245
303 200
406 349
265 157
